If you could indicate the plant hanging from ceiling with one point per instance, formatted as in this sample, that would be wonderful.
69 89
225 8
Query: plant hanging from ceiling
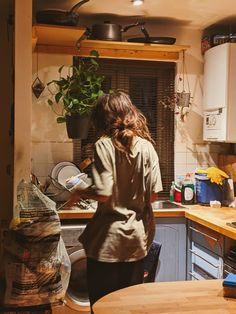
178 98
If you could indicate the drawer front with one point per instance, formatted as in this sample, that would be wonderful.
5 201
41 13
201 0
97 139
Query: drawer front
228 270
197 273
206 260
211 240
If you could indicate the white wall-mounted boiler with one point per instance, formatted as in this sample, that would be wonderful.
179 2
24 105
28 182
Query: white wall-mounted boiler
219 94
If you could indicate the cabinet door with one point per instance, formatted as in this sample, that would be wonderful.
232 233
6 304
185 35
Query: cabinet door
205 252
171 233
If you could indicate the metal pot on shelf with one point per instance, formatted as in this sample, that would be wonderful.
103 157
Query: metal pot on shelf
109 31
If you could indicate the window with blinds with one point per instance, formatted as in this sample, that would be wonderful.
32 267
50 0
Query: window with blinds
149 84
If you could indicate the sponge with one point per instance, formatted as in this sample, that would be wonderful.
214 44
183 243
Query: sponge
229 285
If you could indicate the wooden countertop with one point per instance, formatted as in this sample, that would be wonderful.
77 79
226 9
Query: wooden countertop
202 297
213 218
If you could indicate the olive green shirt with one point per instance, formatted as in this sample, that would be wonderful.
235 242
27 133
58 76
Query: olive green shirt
122 229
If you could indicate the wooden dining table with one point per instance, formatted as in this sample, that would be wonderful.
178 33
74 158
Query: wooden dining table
179 297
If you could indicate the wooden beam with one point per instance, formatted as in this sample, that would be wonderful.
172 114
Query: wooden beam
23 93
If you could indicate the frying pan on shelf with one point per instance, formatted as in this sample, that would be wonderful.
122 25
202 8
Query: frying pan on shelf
152 40
60 17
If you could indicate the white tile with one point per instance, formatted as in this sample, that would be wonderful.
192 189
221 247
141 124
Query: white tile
62 156
207 160
180 170
191 168
180 158
202 148
63 146
40 152
192 158
42 169
213 159
180 147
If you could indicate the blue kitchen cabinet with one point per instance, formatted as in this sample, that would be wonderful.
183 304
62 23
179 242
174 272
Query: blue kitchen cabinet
171 233
205 251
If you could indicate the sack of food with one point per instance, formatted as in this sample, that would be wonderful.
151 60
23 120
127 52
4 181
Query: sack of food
37 266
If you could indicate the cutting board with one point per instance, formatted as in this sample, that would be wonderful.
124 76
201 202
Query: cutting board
227 163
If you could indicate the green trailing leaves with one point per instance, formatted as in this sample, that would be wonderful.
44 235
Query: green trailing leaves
61 119
79 90
50 102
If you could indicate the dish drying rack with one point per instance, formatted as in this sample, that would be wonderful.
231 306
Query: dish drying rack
82 204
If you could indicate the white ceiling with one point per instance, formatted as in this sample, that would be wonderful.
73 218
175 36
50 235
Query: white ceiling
193 13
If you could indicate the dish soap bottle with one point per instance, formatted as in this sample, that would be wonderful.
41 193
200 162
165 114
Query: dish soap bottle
187 191
172 192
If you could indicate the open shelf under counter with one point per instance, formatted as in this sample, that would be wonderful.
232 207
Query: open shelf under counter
134 51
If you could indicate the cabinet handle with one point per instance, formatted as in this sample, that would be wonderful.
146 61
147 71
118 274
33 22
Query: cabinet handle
203 233
192 275
193 252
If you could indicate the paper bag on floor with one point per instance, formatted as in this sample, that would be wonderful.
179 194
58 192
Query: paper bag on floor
37 266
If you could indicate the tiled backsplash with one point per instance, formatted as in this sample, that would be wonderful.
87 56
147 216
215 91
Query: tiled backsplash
45 155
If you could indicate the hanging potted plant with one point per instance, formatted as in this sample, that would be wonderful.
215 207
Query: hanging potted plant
78 92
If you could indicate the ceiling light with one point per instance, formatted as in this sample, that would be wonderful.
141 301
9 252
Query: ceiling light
137 2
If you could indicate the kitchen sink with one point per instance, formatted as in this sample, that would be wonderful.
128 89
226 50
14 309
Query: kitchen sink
231 224
165 205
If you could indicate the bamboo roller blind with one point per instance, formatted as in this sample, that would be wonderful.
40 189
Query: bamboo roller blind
148 83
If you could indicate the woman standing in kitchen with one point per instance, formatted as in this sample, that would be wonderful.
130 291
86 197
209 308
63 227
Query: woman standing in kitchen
126 177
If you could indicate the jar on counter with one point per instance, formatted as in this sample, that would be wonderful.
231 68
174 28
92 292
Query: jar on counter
177 193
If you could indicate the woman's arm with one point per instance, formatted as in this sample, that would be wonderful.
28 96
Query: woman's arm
88 193
154 197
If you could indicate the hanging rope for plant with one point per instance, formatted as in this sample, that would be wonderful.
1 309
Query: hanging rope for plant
183 96
37 86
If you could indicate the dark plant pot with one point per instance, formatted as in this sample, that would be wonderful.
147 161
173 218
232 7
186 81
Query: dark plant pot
77 126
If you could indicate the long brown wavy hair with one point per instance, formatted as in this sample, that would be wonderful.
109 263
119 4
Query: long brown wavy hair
115 116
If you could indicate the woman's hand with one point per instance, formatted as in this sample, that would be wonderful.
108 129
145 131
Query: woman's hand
154 197
74 198
85 194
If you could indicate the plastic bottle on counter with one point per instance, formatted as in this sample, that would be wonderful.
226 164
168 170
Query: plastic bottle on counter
187 190
172 192
178 187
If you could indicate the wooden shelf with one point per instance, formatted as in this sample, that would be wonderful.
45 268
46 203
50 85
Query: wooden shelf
57 39
68 40
128 50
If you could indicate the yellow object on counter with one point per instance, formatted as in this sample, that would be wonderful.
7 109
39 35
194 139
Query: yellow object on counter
214 174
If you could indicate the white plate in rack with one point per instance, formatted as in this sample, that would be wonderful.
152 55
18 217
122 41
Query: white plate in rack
56 169
67 172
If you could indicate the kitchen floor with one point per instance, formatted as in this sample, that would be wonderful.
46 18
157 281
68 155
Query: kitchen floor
56 310
67 310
